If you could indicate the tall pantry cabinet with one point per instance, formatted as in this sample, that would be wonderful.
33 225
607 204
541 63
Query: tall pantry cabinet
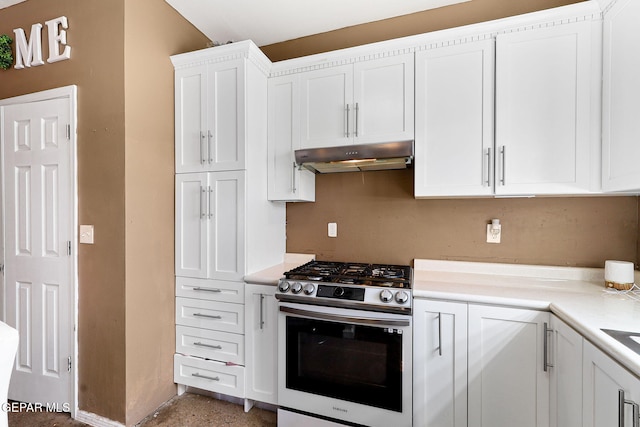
225 226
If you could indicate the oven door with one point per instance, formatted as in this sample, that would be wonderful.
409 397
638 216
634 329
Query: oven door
345 364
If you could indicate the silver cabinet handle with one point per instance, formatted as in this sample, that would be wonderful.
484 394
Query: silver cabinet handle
439 334
503 154
636 410
209 137
198 288
202 157
261 311
488 155
545 349
201 344
203 214
357 110
293 178
208 316
209 197
347 133
205 377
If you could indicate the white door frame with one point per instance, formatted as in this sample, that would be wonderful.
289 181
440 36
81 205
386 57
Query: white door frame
70 92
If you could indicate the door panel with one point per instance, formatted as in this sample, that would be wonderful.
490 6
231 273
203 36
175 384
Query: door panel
39 228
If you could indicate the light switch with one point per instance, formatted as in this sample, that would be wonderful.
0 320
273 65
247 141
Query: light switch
332 229
86 234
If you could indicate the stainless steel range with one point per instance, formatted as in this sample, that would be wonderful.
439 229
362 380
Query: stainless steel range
344 345
376 287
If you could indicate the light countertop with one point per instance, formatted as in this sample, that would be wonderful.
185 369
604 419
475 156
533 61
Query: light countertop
271 275
575 295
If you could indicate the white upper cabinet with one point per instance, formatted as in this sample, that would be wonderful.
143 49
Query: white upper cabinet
210 225
621 103
287 182
544 83
210 117
383 100
454 120
365 102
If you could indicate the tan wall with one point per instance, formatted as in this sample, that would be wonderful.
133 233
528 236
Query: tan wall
126 277
380 221
153 31
95 35
422 22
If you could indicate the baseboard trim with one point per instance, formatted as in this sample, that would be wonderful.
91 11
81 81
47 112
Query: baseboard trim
96 420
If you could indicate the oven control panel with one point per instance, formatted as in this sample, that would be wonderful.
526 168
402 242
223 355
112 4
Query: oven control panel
370 295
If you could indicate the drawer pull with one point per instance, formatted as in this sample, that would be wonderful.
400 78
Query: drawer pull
201 344
198 288
208 316
205 377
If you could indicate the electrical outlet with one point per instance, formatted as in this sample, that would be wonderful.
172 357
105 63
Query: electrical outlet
494 232
332 229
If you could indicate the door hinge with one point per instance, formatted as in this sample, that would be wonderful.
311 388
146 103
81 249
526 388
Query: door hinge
69 364
69 247
69 132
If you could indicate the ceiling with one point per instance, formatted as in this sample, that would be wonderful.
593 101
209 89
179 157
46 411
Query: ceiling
272 21
7 3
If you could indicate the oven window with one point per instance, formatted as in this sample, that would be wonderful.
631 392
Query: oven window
361 364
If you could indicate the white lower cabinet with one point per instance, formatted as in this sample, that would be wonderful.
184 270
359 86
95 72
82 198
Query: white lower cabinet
507 382
261 334
440 364
209 375
565 367
607 385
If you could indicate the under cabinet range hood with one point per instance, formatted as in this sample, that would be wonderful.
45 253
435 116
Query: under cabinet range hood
353 158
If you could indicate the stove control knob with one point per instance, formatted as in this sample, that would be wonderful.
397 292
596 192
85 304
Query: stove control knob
386 295
402 297
309 289
296 287
284 286
338 291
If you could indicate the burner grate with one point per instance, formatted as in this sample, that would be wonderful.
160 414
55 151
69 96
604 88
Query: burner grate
381 275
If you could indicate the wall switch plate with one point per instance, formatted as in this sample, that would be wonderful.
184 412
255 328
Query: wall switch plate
493 233
332 229
86 234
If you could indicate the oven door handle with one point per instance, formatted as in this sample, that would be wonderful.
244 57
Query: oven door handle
339 318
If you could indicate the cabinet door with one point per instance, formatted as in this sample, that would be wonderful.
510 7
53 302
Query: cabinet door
210 225
190 119
603 380
226 217
261 333
225 147
326 105
286 181
192 225
566 375
454 120
439 364
507 383
543 110
383 108
621 104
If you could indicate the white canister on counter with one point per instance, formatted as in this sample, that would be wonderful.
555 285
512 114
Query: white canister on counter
618 275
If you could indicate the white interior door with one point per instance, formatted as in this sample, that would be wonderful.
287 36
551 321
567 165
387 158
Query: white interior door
39 228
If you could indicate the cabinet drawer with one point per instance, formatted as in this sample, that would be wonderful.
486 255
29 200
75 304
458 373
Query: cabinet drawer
218 316
208 375
215 290
213 345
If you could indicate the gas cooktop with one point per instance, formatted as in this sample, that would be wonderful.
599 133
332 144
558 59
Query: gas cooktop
377 287
383 275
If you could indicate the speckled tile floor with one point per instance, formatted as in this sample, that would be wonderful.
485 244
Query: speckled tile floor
188 410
